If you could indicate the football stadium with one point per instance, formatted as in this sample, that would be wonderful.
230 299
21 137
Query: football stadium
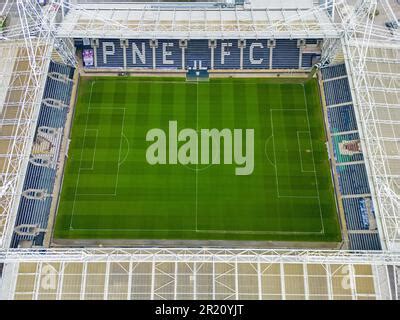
227 149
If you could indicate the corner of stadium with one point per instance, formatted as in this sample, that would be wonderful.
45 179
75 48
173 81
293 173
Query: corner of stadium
233 149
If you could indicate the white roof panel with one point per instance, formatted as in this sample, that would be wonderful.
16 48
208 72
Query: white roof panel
281 4
141 21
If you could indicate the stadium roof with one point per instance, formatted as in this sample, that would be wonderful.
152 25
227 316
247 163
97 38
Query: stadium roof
20 90
275 19
198 274
377 98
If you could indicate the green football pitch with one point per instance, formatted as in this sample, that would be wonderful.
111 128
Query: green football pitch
110 191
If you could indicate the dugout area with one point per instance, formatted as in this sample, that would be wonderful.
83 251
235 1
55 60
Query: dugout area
109 191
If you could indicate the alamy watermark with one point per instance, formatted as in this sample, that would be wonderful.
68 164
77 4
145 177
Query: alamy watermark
197 146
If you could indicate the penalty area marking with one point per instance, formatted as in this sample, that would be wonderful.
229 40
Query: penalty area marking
317 196
274 153
83 146
119 162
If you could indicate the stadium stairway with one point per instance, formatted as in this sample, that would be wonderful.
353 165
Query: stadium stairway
198 50
307 60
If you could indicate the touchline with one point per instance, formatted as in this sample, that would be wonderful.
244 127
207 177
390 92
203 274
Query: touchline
190 153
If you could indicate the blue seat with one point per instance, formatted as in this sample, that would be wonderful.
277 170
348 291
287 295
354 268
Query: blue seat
334 71
342 118
198 50
337 91
286 54
353 179
356 219
364 241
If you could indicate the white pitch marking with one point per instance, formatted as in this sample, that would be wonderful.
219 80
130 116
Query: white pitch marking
80 161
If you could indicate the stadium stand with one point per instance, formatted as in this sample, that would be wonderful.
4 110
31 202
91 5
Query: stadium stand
338 153
334 71
52 117
355 214
337 91
34 213
110 54
364 241
198 50
342 119
61 68
256 54
168 55
353 179
139 54
40 176
285 54
227 54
